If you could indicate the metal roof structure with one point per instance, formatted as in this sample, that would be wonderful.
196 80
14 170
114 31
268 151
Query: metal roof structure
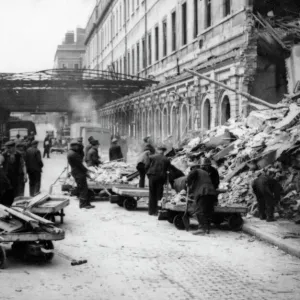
50 90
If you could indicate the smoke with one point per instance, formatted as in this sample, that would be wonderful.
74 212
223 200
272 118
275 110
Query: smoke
84 108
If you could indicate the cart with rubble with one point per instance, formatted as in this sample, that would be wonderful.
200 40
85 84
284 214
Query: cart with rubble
49 208
232 214
128 196
29 235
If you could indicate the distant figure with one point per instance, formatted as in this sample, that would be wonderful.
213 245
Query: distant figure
115 152
18 138
148 145
142 162
21 148
124 147
92 157
31 137
47 146
34 166
88 146
267 191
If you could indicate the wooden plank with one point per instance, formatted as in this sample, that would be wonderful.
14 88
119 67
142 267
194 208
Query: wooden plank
132 192
31 236
35 217
10 225
51 207
37 200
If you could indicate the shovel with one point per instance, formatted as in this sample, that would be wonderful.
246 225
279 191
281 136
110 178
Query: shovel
185 217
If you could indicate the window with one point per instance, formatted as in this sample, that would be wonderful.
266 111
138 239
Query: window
120 16
133 61
195 18
227 7
64 66
208 13
120 65
76 66
156 43
116 69
184 23
174 31
132 6
138 57
128 61
165 42
117 21
128 9
144 53
124 67
149 48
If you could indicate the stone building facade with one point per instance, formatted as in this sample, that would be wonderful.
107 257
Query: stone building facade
160 38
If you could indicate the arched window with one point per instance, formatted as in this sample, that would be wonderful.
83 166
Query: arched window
225 110
184 120
165 123
206 115
174 126
157 125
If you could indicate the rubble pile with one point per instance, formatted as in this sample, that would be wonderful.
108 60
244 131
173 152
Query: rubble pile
268 138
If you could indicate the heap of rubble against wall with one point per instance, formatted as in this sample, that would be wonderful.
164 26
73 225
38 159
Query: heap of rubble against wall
270 138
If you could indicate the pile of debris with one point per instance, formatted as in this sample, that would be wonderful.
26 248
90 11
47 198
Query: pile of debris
268 138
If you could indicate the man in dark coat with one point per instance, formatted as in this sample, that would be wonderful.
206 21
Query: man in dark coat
21 148
47 146
6 191
80 174
14 168
148 145
142 162
267 191
92 157
34 166
115 152
205 164
88 146
158 167
205 196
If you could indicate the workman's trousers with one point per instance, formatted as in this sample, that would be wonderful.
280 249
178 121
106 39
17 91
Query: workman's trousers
46 152
21 187
156 189
83 190
34 182
266 205
204 208
142 171
7 198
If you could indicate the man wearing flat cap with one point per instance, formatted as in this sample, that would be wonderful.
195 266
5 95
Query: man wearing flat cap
14 168
158 166
34 166
115 152
80 174
205 164
92 157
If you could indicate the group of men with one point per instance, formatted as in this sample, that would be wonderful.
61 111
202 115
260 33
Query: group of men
19 160
201 184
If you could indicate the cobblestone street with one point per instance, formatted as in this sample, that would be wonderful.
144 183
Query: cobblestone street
134 256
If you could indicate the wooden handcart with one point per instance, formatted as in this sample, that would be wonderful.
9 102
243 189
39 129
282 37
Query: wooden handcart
49 209
128 196
231 214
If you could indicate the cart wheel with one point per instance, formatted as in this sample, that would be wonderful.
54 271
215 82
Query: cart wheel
2 258
171 216
218 219
48 245
178 222
130 204
235 222
121 203
18 249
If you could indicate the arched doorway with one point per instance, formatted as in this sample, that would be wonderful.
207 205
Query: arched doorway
174 126
206 115
225 110
184 120
157 125
165 123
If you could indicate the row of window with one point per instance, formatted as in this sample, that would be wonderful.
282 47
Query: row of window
111 27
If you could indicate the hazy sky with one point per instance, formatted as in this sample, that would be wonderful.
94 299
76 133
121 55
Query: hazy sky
30 31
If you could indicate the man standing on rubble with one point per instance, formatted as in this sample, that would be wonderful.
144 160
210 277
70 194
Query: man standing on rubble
158 167
92 157
34 166
267 191
205 164
88 146
204 194
80 174
148 145
14 168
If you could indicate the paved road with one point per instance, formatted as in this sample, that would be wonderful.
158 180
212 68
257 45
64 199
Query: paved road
134 256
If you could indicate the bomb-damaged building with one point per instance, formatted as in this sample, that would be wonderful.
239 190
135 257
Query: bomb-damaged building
246 44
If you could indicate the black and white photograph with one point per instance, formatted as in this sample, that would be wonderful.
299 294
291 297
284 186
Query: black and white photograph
150 149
